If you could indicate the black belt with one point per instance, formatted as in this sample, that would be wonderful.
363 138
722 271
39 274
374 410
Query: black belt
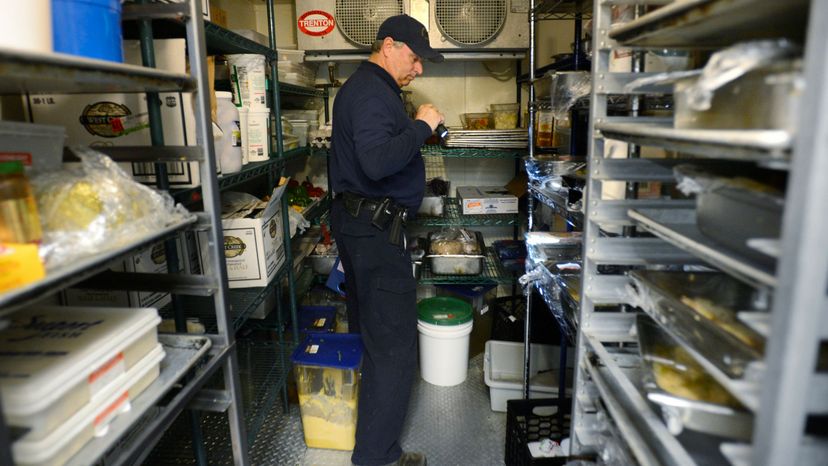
385 213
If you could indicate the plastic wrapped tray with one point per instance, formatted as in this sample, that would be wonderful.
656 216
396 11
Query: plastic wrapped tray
458 264
701 308
684 391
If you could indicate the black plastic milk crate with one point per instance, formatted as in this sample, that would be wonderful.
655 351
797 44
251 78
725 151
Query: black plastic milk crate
524 424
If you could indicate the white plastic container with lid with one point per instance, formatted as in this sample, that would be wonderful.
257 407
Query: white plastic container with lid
258 135
444 325
92 420
54 360
28 28
228 147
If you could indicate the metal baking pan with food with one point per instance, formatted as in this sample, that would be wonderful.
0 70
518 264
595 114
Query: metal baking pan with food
688 396
458 264
701 308
765 98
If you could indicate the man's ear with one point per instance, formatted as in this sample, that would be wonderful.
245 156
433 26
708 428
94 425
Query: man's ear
387 43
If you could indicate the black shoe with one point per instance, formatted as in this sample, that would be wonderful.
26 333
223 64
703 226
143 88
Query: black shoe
412 459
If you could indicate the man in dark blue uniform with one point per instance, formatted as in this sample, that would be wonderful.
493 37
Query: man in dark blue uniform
378 177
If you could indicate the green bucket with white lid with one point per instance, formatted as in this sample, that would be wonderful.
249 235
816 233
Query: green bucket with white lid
444 325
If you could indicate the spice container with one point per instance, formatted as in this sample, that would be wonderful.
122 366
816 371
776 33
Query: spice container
505 115
19 221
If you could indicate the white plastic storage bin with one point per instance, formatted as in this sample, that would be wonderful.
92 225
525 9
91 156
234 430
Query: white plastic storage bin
503 372
54 360
92 420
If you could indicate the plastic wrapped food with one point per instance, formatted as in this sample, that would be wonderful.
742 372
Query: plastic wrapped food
454 241
97 207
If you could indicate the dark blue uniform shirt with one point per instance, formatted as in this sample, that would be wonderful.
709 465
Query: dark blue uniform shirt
375 146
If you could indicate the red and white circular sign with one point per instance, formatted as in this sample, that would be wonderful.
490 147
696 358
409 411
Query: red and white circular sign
316 23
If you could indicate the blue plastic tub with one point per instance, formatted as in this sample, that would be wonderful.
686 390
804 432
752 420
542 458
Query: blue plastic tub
317 319
88 28
335 350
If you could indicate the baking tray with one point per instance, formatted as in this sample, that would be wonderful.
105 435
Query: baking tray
663 355
701 309
458 264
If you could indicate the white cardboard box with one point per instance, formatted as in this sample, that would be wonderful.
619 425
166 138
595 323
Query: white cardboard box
478 200
253 247
149 260
123 120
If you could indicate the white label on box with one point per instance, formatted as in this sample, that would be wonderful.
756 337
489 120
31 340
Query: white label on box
106 373
484 309
312 349
102 420
319 323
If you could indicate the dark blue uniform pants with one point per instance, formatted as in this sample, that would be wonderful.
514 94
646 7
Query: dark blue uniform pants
381 299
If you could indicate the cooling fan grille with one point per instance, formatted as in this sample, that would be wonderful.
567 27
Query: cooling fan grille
470 22
359 20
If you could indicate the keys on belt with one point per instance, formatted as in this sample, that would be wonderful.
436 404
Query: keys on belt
387 214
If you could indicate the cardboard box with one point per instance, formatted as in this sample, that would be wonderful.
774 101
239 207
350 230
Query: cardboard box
123 120
253 247
148 260
487 200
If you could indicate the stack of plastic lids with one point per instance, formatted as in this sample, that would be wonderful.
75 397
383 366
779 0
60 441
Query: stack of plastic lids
294 70
66 373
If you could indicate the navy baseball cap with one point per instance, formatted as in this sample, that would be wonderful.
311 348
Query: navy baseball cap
405 29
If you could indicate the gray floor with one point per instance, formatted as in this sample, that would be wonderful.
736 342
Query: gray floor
453 426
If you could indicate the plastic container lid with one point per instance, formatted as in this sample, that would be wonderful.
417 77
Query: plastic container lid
338 350
47 350
505 107
317 319
99 410
443 310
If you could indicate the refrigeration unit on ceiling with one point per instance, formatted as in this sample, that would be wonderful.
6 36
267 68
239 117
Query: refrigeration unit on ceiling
332 28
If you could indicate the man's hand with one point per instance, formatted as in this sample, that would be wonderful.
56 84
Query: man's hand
429 114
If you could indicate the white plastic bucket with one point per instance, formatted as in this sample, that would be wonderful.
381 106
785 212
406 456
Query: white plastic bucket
26 27
444 353
228 147
247 76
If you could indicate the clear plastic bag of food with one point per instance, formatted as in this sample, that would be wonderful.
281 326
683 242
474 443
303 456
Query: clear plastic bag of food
454 241
97 207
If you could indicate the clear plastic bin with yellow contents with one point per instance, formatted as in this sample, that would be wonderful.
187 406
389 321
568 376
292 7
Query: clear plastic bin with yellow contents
327 370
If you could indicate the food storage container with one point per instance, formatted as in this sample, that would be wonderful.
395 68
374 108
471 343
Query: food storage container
476 120
505 115
327 371
54 360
